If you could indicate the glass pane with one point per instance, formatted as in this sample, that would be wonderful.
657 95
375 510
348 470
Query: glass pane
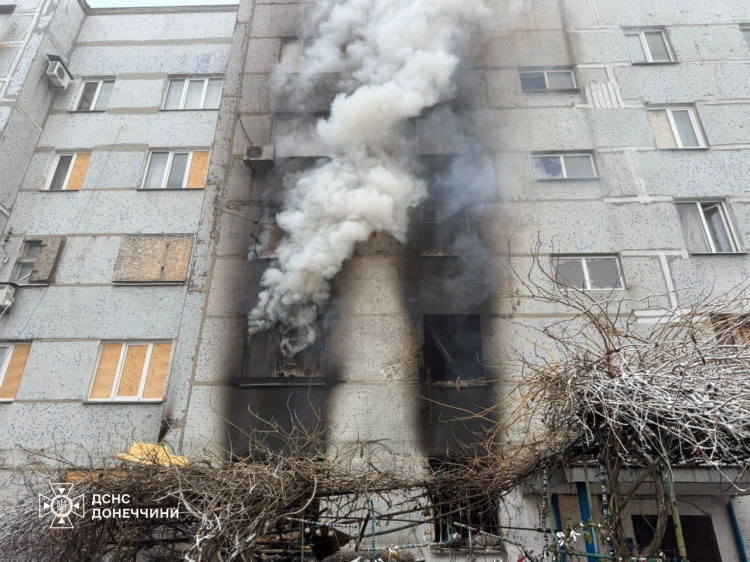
657 46
692 226
746 33
533 81
569 273
102 102
685 128
717 227
174 94
177 172
4 351
662 129
579 167
194 94
603 273
89 91
213 93
32 249
547 167
23 271
157 167
61 171
635 47
560 80
291 55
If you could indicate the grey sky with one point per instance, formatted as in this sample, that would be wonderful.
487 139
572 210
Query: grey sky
143 3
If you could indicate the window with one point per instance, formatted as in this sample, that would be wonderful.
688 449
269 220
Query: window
564 166
297 135
69 171
13 358
542 79
176 169
153 259
587 273
453 347
95 95
292 51
128 371
267 237
7 8
194 93
676 127
745 29
707 227
265 364
440 132
648 46
37 260
732 329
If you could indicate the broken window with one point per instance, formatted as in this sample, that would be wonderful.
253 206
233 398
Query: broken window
450 508
176 169
264 360
587 273
547 79
13 357
37 260
697 530
295 135
676 127
453 347
291 57
95 95
131 371
648 46
268 237
707 228
194 93
153 259
440 132
566 166
69 171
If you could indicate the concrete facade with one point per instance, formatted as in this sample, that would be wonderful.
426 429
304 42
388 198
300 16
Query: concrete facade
374 386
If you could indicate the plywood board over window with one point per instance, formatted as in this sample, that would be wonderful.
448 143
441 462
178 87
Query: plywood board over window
131 371
38 259
13 357
153 259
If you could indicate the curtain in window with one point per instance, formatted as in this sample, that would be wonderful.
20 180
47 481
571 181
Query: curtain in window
177 173
174 94
102 102
156 169
194 94
636 48
213 93
61 172
89 91
717 228
693 228
662 129
548 167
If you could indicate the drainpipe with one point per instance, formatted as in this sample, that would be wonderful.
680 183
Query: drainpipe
737 531
681 549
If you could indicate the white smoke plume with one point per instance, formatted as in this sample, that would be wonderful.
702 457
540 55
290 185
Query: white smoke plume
392 60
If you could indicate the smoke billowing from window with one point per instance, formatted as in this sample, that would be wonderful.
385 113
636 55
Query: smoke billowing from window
389 60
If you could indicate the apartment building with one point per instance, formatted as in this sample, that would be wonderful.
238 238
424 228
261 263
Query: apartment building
137 226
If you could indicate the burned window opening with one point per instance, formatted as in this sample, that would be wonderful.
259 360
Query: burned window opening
264 360
452 347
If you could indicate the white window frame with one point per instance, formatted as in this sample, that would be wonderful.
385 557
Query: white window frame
728 223
586 276
4 366
546 79
562 156
54 169
121 365
99 82
185 87
693 121
644 45
164 180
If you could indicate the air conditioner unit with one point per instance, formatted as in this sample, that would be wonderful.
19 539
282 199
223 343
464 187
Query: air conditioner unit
6 296
259 157
57 74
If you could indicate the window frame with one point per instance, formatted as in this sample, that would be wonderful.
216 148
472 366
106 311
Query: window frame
641 32
121 365
185 88
734 239
79 96
586 277
165 179
55 164
745 29
562 156
4 366
544 70
21 259
697 129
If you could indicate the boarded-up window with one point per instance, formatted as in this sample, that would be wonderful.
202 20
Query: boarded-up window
153 259
69 171
131 371
38 258
12 364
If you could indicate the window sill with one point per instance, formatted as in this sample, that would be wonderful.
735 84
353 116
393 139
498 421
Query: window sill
87 111
146 283
59 190
696 148
162 110
553 91
656 63
254 382
744 253
464 383
7 400
553 180
24 285
135 401
170 188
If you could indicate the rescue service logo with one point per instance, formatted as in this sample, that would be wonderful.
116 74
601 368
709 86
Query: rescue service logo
62 506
